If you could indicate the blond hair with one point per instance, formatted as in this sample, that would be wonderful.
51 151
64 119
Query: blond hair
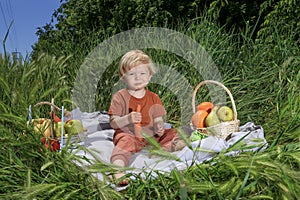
134 58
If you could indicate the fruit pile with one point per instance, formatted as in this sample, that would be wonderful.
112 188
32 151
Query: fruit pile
71 127
51 141
51 129
208 115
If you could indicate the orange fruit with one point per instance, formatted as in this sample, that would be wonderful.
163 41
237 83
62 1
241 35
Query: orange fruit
198 118
207 106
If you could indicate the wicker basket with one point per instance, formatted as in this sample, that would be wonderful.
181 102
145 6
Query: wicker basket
224 129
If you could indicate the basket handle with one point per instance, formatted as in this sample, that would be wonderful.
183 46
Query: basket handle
53 106
216 83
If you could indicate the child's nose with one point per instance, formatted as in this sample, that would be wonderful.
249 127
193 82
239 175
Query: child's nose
137 76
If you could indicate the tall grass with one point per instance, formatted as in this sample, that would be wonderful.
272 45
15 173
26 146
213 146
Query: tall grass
263 78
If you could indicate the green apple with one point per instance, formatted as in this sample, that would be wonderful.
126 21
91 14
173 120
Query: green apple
212 118
57 128
74 127
225 114
196 135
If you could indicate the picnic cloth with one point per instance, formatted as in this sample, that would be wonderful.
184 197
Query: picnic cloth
99 142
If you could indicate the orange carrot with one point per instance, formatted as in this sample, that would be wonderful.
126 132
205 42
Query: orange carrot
138 125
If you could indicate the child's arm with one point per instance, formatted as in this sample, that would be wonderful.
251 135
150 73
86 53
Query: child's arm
119 122
158 126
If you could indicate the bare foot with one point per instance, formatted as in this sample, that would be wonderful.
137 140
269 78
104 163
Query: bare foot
119 179
178 144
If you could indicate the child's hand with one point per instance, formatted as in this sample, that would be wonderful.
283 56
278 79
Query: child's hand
159 128
135 117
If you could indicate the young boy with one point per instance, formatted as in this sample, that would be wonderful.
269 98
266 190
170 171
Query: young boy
136 110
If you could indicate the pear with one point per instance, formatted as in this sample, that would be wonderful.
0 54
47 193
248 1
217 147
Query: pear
225 114
212 118
57 128
47 129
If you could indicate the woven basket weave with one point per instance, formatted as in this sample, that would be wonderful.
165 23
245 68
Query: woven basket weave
224 129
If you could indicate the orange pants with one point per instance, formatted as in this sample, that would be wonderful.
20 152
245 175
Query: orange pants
127 144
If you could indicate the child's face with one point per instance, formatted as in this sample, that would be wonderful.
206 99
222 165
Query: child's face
137 78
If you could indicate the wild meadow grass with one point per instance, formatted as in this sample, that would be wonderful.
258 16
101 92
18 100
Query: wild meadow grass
263 78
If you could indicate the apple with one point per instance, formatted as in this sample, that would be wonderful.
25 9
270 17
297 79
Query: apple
225 114
212 118
74 127
196 135
51 144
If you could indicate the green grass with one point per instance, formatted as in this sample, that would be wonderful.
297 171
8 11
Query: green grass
263 78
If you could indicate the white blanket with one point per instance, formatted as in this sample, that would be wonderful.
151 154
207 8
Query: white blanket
99 141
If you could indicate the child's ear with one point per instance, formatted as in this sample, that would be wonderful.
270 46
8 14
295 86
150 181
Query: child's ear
123 79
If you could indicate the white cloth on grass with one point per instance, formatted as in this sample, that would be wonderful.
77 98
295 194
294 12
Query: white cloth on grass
100 143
